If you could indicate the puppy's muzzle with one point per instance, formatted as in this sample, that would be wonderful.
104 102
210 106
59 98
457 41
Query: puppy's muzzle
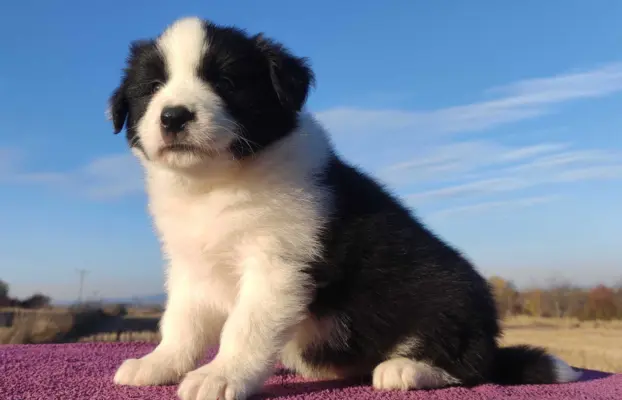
173 121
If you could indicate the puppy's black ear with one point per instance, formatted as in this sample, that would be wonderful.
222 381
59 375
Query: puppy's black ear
118 108
292 77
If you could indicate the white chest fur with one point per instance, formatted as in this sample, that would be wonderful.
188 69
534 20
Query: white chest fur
202 227
239 243
212 233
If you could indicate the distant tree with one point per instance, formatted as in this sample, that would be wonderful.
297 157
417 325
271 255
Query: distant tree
4 289
601 304
116 309
578 301
37 300
562 299
618 298
559 299
532 302
506 296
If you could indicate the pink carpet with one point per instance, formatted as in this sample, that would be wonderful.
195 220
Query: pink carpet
84 371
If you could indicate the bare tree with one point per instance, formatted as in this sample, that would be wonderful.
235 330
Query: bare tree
37 300
4 289
561 298
532 302
506 296
601 304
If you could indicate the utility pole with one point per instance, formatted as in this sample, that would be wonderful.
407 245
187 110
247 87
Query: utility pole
82 273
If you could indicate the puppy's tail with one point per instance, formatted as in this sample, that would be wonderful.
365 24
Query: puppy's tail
522 364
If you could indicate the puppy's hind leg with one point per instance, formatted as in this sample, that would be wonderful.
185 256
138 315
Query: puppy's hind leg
403 373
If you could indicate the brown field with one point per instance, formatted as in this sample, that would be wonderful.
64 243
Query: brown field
60 325
588 344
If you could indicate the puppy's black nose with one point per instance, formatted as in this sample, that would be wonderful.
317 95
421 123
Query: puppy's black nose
174 119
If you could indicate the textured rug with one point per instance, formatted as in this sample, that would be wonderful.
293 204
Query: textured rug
85 371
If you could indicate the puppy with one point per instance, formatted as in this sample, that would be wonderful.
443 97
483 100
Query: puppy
280 251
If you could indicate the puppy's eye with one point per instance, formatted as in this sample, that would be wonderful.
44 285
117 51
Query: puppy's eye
155 87
225 83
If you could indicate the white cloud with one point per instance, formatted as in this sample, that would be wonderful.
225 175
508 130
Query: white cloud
494 205
105 177
112 176
598 172
444 168
495 175
485 186
593 83
569 158
465 167
447 160
517 101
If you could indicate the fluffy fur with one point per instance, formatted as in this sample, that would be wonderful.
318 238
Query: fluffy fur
278 249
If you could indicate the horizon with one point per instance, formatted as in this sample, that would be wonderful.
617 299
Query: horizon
500 138
160 298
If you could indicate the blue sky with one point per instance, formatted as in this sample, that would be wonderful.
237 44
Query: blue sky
499 122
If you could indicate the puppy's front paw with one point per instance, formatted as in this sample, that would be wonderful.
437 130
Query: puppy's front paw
152 369
213 382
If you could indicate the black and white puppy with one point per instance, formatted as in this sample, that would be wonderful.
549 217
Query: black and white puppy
277 249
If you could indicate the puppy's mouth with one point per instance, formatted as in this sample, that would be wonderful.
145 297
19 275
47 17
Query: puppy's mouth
177 148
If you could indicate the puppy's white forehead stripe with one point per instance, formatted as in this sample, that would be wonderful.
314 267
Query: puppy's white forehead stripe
183 46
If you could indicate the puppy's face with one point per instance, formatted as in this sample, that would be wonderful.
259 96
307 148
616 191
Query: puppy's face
201 93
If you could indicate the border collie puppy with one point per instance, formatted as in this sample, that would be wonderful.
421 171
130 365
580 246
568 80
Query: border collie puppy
280 251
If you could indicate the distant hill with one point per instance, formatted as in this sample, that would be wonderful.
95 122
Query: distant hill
146 300
154 299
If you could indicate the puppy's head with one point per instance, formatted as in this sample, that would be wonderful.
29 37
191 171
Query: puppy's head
200 93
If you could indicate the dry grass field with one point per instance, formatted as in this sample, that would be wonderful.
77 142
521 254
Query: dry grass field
589 344
34 326
59 325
